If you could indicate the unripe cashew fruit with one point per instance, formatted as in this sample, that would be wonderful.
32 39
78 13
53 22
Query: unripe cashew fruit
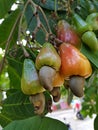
48 56
47 62
92 19
90 39
30 83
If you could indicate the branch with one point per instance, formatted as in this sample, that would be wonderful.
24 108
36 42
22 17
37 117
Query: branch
20 23
8 43
39 23
39 8
50 32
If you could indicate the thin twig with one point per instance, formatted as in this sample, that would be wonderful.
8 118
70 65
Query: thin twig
39 8
39 23
55 6
20 23
37 27
19 32
50 32
55 40
8 43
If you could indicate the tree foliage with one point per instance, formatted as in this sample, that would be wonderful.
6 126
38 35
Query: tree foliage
32 23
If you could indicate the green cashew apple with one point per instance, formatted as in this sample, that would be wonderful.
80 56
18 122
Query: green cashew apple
90 39
48 56
92 19
30 81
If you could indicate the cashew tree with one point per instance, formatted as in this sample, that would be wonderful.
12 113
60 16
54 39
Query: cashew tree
47 47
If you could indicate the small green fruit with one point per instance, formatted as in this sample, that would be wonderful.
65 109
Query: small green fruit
30 81
90 39
92 20
48 56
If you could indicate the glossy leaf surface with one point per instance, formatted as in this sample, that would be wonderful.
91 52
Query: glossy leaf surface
42 124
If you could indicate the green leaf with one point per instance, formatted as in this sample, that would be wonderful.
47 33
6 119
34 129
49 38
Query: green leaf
16 106
49 4
8 27
15 72
15 58
43 123
32 23
15 79
97 104
85 7
92 56
5 6
1 96
96 123
4 80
